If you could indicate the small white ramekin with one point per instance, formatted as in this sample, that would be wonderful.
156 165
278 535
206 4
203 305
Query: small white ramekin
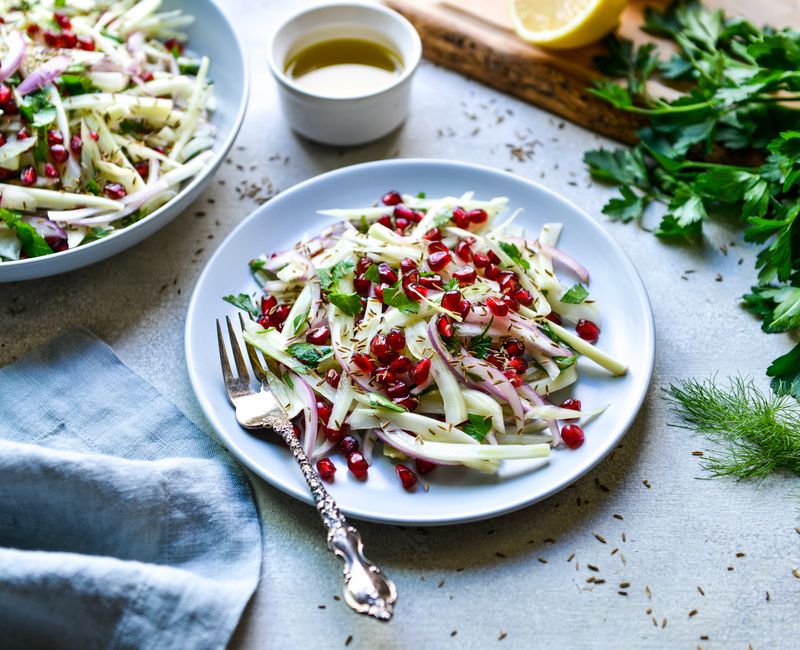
345 120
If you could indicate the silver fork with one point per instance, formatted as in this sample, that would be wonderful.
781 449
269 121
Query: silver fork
367 589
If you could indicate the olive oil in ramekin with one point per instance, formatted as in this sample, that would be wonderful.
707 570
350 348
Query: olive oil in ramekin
344 67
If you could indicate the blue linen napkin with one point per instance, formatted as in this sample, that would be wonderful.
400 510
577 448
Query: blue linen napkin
122 524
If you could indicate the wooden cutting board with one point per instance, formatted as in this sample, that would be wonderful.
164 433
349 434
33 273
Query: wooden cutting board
475 37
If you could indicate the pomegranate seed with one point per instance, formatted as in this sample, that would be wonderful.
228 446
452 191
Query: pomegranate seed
323 412
11 107
50 170
319 335
434 234
362 265
173 45
465 309
114 190
451 300
445 326
465 275
348 445
334 435
263 321
402 211
62 20
268 303
362 285
513 377
398 389
67 39
493 258
379 291
396 339
386 220
431 281
379 346
572 435
32 29
146 76
296 431
76 144
518 364
439 260
280 314
407 477
326 469
514 347
420 371
480 260
463 250
86 43
497 306
409 402
572 405
587 330
477 215
492 272
513 305
508 283
55 137
332 377
424 466
51 37
5 94
553 317
410 278
391 198
142 168
460 218
401 223
93 135
3 139
358 465
364 363
436 247
23 134
417 216
496 361
416 291
401 364
407 265
59 153
28 176
386 273
385 376
523 297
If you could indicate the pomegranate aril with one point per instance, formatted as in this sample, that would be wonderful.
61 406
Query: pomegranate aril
386 220
572 435
439 260
333 378
380 347
76 144
493 258
401 223
59 153
5 94
280 314
587 330
319 335
267 303
477 215
362 265
465 309
436 247
463 250
403 211
513 377
32 29
518 365
334 435
401 364
387 274
434 234
396 339
23 134
62 20
323 412
86 43
28 176
523 297
497 306
465 275
407 265
407 477
358 465
68 39
496 361
572 405
513 305
416 291
398 389
142 168
492 272
514 347
114 190
451 300
385 376
420 371
553 317
326 469
362 285
409 402
55 137
445 326
51 37
391 198
379 291
424 466
174 46
348 445
480 260
417 216
460 218
433 281
50 170
508 283
146 76
364 363
94 136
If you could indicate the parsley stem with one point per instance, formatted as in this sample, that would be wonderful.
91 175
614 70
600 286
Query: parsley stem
669 109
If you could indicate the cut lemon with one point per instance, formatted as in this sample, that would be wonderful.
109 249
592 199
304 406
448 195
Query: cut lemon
564 23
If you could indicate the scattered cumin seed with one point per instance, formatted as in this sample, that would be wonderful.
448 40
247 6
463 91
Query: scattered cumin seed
697 453
500 555
693 613
655 622
441 583
700 589
320 606
337 598
600 538
542 560
740 554
502 635
718 278
348 641
599 581
730 568
622 557
649 610
622 593
767 596
550 540
590 579
453 633
571 556
592 567
663 622
796 573
613 552
646 483
624 539
624 585
704 637
617 516
648 592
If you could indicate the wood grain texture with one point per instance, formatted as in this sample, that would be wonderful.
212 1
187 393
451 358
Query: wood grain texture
475 38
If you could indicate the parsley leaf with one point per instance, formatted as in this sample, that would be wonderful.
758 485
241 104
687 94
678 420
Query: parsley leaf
372 273
630 206
575 295
376 400
785 373
309 354
349 303
37 109
32 242
396 297
514 253
477 426
243 301
329 276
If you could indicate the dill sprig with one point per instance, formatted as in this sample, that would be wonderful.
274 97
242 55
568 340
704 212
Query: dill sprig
753 434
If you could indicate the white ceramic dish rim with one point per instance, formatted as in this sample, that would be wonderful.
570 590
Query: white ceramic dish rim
409 67
219 153
647 341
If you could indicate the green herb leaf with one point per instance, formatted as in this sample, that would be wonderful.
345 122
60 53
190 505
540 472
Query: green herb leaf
565 362
349 303
630 206
575 295
257 264
619 167
300 321
372 274
376 400
396 297
477 426
76 84
243 301
480 345
37 109
451 284
785 373
309 354
329 276
32 242
93 186
514 253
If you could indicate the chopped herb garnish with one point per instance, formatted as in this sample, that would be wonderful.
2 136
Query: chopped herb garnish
32 242
349 303
329 276
575 295
396 297
309 354
243 301
37 109
477 426
377 400
372 274
513 252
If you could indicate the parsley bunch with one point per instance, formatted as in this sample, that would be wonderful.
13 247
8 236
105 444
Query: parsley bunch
738 84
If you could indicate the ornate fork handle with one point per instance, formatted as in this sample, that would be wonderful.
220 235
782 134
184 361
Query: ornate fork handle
366 588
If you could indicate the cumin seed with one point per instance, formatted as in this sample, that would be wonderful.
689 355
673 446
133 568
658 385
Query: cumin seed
622 593
700 589
624 585
571 556
600 538
592 567
693 613
616 516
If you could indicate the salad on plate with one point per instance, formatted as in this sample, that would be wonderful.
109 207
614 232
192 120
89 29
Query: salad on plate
103 114
431 326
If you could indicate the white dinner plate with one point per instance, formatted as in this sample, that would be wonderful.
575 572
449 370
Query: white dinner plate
456 494
211 34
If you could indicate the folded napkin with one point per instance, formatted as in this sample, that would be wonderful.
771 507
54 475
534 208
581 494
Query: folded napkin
122 524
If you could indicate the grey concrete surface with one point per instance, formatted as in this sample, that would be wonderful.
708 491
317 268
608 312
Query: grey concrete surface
670 565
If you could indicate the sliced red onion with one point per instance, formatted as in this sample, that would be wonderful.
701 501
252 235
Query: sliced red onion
44 74
310 416
54 235
514 324
15 55
527 391
565 260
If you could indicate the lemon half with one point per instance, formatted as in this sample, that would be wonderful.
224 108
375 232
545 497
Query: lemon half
564 23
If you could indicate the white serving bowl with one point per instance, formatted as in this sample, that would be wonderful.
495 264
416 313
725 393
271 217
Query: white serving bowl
345 120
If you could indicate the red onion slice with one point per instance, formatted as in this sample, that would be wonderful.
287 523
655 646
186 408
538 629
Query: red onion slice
16 53
44 74
565 260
